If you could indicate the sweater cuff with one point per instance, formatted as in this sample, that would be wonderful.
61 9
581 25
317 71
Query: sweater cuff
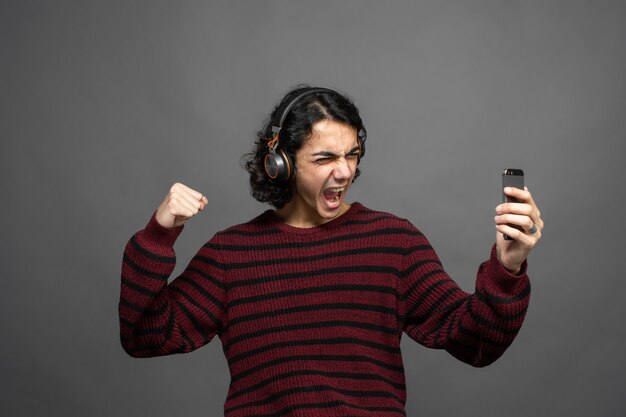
160 236
500 282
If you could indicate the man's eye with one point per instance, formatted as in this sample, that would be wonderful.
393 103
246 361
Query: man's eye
322 160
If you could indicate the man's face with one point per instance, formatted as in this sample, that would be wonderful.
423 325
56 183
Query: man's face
326 164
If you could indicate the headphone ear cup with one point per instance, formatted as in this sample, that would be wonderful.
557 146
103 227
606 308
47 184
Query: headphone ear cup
278 166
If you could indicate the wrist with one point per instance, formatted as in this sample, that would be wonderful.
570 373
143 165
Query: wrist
513 271
162 234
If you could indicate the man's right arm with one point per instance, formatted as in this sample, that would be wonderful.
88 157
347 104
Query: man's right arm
157 318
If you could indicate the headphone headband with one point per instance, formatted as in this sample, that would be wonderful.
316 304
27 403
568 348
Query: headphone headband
284 111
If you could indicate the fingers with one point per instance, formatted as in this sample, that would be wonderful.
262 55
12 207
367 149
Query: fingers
524 214
186 191
180 204
523 222
522 196
525 204
187 197
188 200
519 228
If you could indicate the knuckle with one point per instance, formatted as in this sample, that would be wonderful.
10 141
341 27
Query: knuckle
172 206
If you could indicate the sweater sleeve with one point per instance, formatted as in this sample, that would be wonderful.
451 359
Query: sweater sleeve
475 328
160 319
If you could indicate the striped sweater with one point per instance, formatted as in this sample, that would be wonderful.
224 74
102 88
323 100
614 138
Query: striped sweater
310 319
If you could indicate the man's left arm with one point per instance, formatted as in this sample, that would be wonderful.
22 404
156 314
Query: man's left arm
476 328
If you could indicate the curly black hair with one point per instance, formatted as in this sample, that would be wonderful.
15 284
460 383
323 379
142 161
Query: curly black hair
296 128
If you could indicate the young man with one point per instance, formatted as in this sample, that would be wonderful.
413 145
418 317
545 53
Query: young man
310 300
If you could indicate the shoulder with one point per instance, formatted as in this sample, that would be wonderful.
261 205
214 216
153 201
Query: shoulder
384 219
261 225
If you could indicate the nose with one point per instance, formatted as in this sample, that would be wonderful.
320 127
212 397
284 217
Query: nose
344 170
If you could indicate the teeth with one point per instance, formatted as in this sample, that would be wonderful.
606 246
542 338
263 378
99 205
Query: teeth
338 191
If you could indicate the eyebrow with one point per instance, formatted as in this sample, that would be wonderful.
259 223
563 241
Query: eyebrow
332 155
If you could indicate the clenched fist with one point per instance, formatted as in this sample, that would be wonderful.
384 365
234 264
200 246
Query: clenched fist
180 204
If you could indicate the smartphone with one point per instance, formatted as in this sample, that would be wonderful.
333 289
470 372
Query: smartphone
512 178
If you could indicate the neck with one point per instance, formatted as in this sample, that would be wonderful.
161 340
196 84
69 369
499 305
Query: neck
302 216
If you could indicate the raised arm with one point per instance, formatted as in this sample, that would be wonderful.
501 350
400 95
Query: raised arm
476 328
157 319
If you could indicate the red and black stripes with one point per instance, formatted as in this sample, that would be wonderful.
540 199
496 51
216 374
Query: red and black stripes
311 319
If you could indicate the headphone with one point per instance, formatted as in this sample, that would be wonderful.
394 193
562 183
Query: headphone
278 164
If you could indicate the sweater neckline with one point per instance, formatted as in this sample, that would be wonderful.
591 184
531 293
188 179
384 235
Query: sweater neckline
270 215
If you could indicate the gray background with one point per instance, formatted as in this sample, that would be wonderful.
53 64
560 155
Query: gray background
105 104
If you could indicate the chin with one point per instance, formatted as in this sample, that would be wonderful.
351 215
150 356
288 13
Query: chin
331 213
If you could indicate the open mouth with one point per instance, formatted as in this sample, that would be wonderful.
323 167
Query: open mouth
333 195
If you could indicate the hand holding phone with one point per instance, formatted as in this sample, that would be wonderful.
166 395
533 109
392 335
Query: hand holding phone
524 216
512 178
